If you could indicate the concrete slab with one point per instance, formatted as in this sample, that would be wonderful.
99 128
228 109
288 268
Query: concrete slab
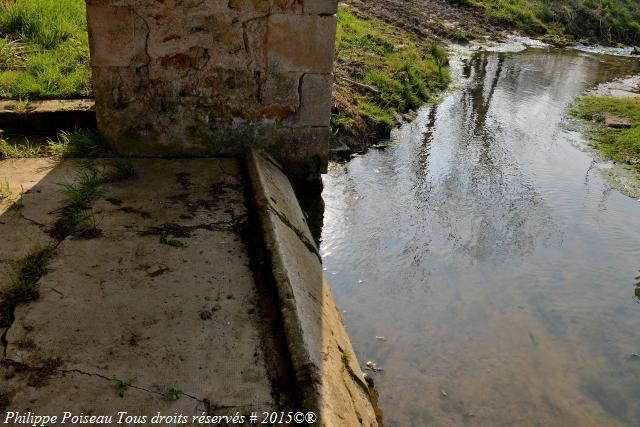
47 105
172 306
167 300
22 175
189 193
48 116
324 362
31 182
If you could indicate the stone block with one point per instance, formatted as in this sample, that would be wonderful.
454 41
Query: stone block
282 89
315 102
211 78
321 7
255 35
287 6
301 43
112 35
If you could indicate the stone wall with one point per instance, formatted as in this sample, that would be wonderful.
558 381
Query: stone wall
212 77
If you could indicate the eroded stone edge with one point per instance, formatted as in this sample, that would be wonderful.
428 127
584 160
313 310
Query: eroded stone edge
308 375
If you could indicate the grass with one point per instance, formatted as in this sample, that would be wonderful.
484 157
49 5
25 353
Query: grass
622 145
610 21
122 386
18 151
345 356
381 70
74 144
78 144
173 394
5 190
44 49
75 218
23 282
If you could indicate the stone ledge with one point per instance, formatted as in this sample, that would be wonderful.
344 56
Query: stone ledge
47 116
331 383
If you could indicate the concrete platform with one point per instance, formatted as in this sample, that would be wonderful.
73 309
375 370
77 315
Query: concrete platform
46 116
172 306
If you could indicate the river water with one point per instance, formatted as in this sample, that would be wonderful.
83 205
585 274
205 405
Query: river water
492 256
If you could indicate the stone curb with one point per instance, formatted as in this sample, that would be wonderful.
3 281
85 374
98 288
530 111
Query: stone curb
48 116
324 363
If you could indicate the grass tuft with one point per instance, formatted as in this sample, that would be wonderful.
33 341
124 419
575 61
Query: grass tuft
610 21
44 53
23 282
381 70
10 150
122 386
5 190
76 217
78 144
173 394
622 145
82 143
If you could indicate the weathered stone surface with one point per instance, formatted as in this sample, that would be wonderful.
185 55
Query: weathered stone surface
282 89
315 106
616 122
303 150
112 35
321 7
197 77
46 116
332 385
301 43
34 186
164 298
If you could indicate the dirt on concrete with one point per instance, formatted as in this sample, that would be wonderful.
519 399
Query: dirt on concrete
124 322
170 309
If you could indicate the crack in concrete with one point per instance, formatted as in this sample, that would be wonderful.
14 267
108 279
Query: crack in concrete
146 40
104 377
300 82
3 337
301 236
101 376
51 247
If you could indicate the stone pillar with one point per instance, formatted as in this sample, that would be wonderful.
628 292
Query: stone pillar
212 77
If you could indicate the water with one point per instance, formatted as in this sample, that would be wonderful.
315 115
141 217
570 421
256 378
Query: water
492 256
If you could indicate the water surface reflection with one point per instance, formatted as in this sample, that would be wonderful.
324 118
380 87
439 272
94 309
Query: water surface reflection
497 264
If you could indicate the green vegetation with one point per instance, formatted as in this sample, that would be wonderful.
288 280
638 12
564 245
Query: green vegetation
622 145
76 217
44 49
174 394
381 70
78 144
88 144
5 190
611 21
23 282
17 151
122 386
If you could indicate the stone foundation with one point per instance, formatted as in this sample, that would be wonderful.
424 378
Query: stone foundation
213 77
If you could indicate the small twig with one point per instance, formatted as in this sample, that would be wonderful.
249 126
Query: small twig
360 85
